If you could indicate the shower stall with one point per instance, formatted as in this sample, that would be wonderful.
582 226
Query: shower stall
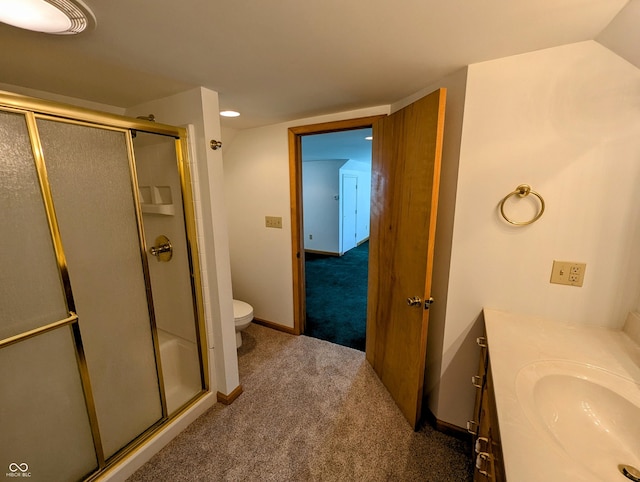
101 313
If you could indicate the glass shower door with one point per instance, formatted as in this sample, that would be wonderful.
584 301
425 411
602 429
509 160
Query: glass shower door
45 430
85 373
91 175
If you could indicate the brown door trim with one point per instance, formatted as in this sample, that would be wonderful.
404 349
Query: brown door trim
295 186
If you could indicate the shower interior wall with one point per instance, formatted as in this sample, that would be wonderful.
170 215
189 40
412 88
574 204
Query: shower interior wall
162 210
198 109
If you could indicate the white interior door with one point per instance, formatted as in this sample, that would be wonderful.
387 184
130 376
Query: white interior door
349 212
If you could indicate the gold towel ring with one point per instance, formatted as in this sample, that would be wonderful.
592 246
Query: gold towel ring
523 190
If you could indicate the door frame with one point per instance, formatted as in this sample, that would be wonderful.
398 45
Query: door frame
295 187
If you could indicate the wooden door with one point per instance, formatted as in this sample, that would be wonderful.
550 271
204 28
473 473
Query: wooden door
407 148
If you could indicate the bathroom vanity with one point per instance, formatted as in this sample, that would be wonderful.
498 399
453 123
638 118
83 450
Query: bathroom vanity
556 401
487 447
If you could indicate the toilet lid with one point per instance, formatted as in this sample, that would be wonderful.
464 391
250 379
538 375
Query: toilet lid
241 309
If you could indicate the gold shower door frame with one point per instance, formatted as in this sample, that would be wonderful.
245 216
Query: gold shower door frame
34 109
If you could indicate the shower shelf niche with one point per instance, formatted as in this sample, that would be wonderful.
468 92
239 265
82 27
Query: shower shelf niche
164 209
156 200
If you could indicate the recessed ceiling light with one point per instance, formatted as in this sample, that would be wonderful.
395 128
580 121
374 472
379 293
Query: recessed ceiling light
229 113
61 17
369 138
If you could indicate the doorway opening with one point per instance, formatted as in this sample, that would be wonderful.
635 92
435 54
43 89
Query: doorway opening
330 167
405 173
336 198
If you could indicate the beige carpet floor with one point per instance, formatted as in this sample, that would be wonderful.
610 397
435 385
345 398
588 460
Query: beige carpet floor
310 411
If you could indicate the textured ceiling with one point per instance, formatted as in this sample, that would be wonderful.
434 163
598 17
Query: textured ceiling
287 59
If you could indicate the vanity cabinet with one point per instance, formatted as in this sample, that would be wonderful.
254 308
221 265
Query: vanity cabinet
487 452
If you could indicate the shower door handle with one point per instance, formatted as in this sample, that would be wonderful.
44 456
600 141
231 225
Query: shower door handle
163 251
158 250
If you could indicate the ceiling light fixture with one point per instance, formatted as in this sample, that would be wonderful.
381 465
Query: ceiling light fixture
229 113
60 17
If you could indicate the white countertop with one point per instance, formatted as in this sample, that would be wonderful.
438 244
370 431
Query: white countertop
515 341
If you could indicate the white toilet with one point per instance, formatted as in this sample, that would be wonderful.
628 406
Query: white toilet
242 315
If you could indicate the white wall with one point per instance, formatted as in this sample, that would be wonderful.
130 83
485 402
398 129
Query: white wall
256 168
321 201
199 107
564 120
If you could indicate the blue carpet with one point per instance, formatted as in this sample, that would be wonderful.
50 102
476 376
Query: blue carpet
336 291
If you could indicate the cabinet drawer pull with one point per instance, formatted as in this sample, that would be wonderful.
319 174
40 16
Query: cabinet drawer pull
479 447
483 463
482 341
477 381
472 427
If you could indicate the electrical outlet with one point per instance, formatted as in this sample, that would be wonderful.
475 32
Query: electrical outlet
568 273
311 236
273 222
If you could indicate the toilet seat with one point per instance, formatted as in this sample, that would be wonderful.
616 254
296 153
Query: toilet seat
242 316
242 312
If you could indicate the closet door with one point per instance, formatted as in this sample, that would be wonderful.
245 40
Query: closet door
91 183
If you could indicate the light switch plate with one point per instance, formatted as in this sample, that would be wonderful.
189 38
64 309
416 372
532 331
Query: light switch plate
273 222
568 273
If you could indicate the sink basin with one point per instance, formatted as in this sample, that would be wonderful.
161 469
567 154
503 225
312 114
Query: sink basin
590 414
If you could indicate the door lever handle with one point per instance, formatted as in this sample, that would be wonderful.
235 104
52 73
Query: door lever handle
415 301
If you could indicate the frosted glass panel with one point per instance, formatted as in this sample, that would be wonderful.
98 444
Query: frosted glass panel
42 412
90 181
30 290
163 214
